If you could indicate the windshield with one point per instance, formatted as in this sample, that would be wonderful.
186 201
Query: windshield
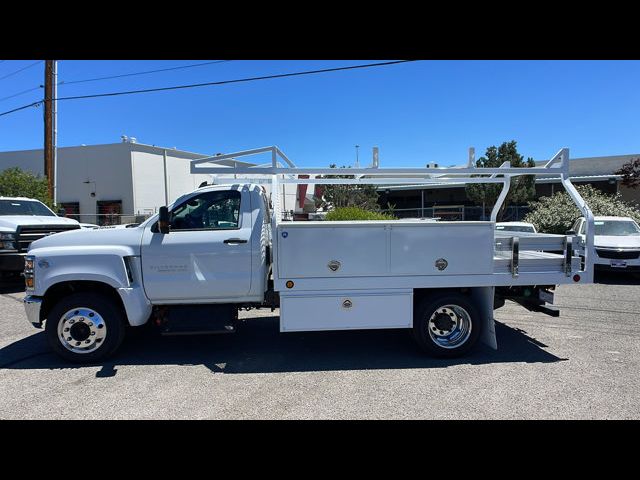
515 228
616 227
24 207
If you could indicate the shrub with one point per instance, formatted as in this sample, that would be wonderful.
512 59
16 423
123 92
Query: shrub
556 214
356 213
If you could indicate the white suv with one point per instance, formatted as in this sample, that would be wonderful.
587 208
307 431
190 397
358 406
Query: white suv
23 220
616 242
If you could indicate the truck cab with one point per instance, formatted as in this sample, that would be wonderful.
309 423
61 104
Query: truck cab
214 256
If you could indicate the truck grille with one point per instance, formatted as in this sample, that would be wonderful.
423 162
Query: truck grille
28 234
619 255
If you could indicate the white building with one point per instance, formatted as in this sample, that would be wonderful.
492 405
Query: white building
121 182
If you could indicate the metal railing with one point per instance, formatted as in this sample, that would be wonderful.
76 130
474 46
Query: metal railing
513 213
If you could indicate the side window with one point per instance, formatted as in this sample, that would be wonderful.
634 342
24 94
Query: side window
208 211
583 224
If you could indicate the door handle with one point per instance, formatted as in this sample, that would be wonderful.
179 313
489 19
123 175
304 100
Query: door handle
235 240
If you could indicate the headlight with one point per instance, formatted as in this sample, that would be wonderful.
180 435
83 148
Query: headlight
7 236
8 245
29 273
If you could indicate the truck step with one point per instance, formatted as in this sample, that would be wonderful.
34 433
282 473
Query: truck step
199 320
195 331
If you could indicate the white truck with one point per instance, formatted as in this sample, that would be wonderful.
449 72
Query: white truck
22 221
220 248
616 242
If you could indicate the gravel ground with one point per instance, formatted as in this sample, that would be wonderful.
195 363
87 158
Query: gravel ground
582 365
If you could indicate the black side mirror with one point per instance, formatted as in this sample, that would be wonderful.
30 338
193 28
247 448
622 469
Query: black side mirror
62 212
163 220
570 232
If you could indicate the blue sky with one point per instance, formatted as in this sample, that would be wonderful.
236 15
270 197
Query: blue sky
419 112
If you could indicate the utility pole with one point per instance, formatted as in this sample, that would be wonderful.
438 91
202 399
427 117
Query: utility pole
48 124
357 159
55 133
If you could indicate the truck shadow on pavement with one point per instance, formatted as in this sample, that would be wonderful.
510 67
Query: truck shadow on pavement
259 347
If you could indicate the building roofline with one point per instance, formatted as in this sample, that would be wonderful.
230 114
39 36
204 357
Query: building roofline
141 147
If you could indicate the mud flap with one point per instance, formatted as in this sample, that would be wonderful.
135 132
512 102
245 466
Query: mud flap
483 298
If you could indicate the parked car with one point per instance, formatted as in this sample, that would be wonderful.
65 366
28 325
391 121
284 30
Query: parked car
23 220
616 243
516 227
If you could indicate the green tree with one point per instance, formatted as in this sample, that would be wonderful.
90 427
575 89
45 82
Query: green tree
522 187
340 196
630 172
15 182
557 213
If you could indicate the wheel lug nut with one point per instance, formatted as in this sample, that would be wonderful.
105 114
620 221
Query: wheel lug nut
100 325
69 338
93 333
87 341
66 329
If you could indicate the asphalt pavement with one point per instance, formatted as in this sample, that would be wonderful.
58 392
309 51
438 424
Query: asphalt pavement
581 365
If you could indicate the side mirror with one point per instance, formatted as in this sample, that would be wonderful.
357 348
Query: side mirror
163 220
570 232
62 212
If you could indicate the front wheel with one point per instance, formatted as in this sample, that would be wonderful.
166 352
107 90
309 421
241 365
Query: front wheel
446 325
85 327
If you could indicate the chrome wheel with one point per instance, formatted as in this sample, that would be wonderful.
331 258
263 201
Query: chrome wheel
449 326
82 330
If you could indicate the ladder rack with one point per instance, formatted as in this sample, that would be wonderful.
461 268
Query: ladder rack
283 171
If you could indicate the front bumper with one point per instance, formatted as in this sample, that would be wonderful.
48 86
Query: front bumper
609 264
32 306
609 268
12 262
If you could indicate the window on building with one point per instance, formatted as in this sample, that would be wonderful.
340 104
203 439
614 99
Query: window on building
109 212
71 210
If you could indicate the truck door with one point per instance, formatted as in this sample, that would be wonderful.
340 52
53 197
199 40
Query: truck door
207 254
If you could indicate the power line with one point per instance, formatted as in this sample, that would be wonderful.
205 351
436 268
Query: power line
34 104
117 76
22 69
239 80
223 82
20 93
142 73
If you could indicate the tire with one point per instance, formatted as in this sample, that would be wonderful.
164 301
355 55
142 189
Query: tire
446 325
85 327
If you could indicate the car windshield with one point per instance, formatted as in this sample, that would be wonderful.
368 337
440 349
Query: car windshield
616 227
24 207
515 228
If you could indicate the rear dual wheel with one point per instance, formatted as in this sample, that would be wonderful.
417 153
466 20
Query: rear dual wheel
446 325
